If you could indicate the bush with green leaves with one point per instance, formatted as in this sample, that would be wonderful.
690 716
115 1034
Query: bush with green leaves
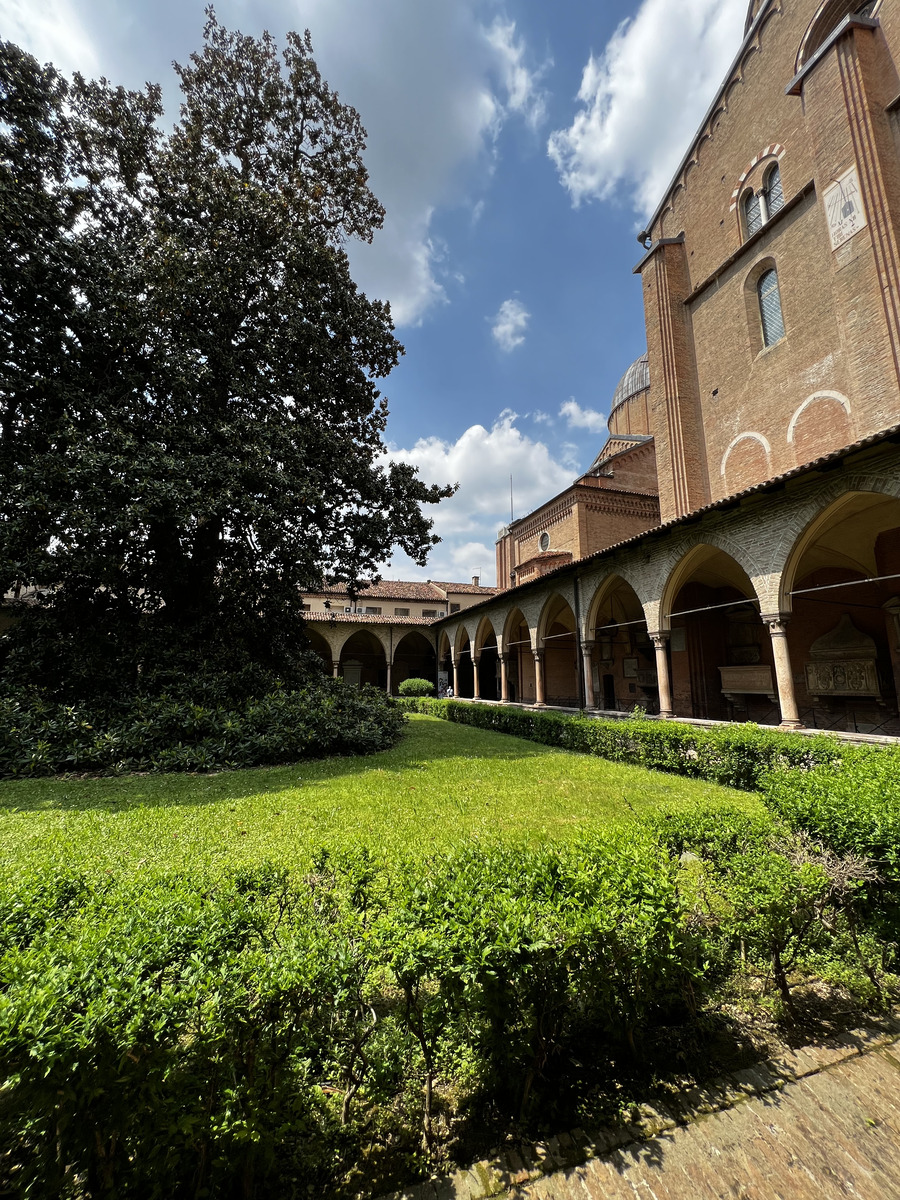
416 687
736 755
167 1036
327 717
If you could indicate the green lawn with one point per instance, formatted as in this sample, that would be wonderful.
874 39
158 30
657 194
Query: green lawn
442 784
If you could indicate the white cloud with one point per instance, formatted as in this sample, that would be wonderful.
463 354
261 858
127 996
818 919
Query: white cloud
481 460
643 97
509 325
435 86
51 31
523 92
582 418
434 82
541 418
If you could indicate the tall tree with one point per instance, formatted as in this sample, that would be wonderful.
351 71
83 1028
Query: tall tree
214 443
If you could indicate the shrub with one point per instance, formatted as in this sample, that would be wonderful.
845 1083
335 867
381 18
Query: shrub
736 756
178 1036
166 734
416 687
852 807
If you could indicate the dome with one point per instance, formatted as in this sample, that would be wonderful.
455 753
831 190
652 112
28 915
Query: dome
636 379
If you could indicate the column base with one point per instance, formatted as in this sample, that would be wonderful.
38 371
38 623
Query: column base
791 725
665 715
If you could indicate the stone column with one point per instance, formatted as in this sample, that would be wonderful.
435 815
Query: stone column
390 664
539 677
336 667
663 682
589 698
476 682
504 678
784 678
455 679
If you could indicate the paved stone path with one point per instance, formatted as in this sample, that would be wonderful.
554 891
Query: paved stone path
818 1123
834 1134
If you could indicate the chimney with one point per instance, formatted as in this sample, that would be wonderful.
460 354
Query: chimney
475 581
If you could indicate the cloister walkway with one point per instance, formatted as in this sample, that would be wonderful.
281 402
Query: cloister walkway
820 1123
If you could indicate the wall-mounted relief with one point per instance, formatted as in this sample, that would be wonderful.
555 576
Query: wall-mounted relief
843 663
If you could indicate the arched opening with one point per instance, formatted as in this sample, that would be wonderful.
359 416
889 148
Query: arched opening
465 673
520 658
444 665
622 660
413 659
363 660
559 642
319 645
841 585
488 661
722 666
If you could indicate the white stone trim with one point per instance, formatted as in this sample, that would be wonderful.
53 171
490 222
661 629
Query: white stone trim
764 442
839 396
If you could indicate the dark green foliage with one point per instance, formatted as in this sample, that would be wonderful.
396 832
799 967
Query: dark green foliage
190 427
326 717
416 687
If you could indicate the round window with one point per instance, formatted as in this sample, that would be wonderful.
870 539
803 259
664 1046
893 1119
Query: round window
545 541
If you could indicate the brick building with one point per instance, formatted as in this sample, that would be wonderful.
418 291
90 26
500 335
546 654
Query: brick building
734 550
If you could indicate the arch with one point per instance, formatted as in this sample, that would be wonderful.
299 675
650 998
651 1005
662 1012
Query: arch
839 532
840 582
518 647
770 155
487 660
720 653
485 632
363 659
558 639
713 565
838 396
827 17
621 658
320 645
741 437
414 657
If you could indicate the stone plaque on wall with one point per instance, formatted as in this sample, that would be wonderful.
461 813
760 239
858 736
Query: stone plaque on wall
750 680
850 677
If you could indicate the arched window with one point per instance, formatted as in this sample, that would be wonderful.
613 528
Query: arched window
759 207
827 19
770 307
774 196
753 219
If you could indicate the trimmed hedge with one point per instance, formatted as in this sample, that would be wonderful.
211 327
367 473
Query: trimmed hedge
264 1034
269 1034
416 687
737 756
164 734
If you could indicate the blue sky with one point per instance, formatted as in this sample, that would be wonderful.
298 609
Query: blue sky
516 147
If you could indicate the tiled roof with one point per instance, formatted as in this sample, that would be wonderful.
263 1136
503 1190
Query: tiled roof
398 589
466 589
324 618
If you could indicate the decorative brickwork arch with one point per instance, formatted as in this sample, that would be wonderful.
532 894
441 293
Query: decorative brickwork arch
674 567
822 423
619 655
518 647
747 460
839 502
771 153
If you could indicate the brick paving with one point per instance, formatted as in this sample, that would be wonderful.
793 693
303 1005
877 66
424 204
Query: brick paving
833 1134
818 1123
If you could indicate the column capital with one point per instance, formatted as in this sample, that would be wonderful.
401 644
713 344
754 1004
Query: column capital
775 621
659 637
538 653
587 646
